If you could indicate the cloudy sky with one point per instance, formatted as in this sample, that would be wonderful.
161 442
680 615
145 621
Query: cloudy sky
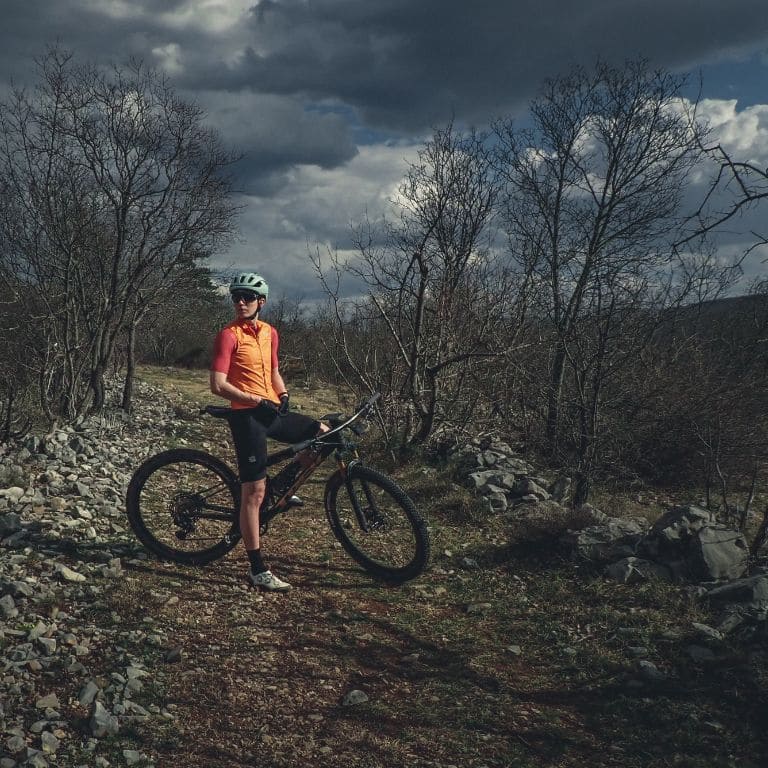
329 99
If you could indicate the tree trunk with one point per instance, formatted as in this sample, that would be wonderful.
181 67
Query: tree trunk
554 396
426 423
130 369
581 492
98 388
584 473
761 535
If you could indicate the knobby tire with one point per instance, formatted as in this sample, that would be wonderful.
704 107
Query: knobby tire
168 498
396 547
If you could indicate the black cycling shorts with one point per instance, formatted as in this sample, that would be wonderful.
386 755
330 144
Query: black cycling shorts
252 426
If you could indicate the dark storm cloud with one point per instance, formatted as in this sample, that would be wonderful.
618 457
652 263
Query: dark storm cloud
406 64
352 87
399 65
272 134
276 133
28 26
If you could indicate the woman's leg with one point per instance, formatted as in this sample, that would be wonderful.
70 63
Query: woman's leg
249 436
252 496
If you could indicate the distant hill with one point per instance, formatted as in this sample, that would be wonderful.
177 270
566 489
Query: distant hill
745 316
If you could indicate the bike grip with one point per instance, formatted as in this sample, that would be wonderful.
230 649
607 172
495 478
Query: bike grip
299 447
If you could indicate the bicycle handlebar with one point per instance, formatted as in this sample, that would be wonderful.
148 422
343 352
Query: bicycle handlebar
363 410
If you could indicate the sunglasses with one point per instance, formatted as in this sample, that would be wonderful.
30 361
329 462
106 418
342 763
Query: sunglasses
246 296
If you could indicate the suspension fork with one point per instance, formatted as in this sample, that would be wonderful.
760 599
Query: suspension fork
362 519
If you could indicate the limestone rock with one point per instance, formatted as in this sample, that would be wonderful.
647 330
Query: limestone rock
630 570
605 543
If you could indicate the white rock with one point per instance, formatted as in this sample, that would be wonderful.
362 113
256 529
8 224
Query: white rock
68 574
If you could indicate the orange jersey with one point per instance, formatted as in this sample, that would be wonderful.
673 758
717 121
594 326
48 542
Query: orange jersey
248 356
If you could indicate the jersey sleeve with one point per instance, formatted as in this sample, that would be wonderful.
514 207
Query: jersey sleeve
275 344
223 347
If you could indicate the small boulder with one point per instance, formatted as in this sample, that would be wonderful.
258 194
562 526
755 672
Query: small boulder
354 697
605 543
103 723
749 595
631 570
718 552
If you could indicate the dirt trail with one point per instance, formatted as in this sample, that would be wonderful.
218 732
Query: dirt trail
498 656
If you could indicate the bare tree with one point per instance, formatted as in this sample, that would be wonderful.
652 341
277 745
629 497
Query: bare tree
736 186
726 366
16 378
437 299
115 189
592 199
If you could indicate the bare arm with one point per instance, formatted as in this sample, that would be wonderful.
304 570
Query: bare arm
277 382
221 387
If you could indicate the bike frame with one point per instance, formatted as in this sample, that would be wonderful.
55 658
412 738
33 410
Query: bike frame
334 441
183 504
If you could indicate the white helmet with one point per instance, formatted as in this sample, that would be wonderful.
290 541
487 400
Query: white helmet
249 281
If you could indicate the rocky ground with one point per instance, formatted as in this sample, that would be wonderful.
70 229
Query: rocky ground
515 649
109 658
64 542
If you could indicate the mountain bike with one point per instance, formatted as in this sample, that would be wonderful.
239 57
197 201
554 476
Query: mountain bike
183 504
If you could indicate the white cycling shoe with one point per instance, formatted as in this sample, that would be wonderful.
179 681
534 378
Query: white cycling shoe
267 581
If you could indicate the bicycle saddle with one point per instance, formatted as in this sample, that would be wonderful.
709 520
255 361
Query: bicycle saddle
217 411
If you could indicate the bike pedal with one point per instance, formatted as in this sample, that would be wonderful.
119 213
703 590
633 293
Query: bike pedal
294 501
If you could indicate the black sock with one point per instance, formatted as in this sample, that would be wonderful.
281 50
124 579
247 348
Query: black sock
257 564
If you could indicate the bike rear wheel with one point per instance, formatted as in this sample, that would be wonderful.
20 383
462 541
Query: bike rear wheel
183 506
377 524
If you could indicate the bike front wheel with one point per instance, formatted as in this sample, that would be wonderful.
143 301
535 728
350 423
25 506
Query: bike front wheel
378 525
183 506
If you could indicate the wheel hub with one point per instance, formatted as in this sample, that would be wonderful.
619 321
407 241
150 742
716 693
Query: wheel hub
183 507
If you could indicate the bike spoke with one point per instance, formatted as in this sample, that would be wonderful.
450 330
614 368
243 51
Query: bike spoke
186 507
377 525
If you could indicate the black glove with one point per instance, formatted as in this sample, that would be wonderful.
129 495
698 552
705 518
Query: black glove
283 409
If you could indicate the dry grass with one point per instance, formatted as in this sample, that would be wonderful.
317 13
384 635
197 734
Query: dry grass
503 654
188 385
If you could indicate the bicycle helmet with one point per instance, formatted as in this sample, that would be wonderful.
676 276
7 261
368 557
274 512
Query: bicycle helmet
249 281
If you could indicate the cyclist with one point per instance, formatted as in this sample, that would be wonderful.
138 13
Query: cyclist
245 371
